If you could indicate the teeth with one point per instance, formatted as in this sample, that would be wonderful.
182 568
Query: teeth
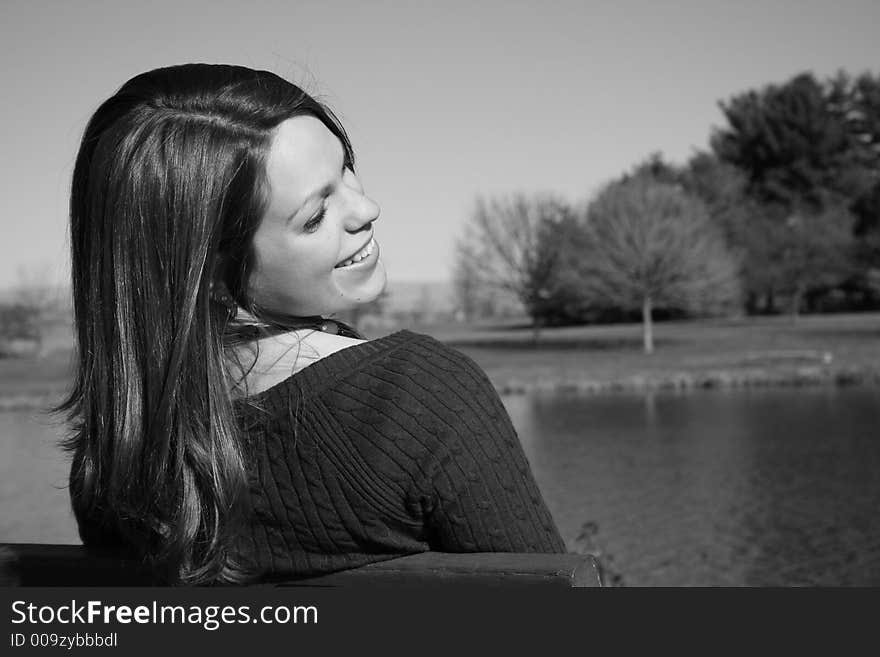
363 253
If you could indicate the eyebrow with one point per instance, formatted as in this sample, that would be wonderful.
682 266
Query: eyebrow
323 191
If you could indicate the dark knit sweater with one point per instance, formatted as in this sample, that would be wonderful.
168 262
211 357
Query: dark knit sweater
392 446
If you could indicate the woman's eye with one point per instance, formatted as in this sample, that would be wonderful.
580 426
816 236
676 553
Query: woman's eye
312 224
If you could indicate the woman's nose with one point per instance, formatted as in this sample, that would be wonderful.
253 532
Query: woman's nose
362 212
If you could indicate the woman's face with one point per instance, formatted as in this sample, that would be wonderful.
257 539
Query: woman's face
318 219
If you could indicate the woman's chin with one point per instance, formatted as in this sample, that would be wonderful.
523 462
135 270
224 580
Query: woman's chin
365 291
373 287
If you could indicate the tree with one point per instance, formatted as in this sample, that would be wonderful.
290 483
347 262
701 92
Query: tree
867 233
512 245
19 322
790 139
815 252
855 102
29 312
650 243
809 151
860 101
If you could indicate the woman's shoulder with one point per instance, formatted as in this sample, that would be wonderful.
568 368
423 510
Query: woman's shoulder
408 358
421 374
419 388
407 353
426 356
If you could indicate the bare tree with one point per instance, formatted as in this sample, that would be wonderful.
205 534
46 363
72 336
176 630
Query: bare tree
649 243
27 312
508 247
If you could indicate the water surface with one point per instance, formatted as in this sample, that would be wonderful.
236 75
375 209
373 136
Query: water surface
34 502
738 487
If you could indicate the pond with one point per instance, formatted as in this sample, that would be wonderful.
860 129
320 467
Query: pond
740 487
34 503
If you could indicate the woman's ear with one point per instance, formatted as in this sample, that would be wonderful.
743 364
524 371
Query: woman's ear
219 294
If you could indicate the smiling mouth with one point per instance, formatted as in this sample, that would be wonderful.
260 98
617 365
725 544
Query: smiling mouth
364 253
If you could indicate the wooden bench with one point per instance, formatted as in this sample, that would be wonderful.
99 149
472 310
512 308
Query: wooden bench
30 564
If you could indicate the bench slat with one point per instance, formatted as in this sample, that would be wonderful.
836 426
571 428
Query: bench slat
33 564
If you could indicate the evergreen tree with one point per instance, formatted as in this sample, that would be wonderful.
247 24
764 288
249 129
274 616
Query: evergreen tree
789 140
807 152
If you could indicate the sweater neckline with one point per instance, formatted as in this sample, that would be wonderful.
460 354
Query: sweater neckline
323 371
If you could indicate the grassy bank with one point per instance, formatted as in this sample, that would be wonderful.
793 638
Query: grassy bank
27 383
828 349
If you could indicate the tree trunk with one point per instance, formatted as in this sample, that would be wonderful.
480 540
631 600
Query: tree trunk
751 303
770 302
796 300
536 329
647 326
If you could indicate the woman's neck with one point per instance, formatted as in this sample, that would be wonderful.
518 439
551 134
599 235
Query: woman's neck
268 361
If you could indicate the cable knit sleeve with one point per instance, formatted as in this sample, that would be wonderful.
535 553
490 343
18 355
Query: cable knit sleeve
479 494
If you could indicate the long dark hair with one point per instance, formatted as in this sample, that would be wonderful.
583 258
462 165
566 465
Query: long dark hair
168 189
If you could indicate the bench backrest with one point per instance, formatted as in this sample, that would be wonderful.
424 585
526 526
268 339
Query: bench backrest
32 564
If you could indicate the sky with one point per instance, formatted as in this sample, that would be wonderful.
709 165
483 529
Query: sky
443 101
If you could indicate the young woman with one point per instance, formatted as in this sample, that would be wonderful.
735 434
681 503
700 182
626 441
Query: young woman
225 429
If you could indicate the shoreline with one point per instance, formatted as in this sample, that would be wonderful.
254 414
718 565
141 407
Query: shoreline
721 379
35 401
710 379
